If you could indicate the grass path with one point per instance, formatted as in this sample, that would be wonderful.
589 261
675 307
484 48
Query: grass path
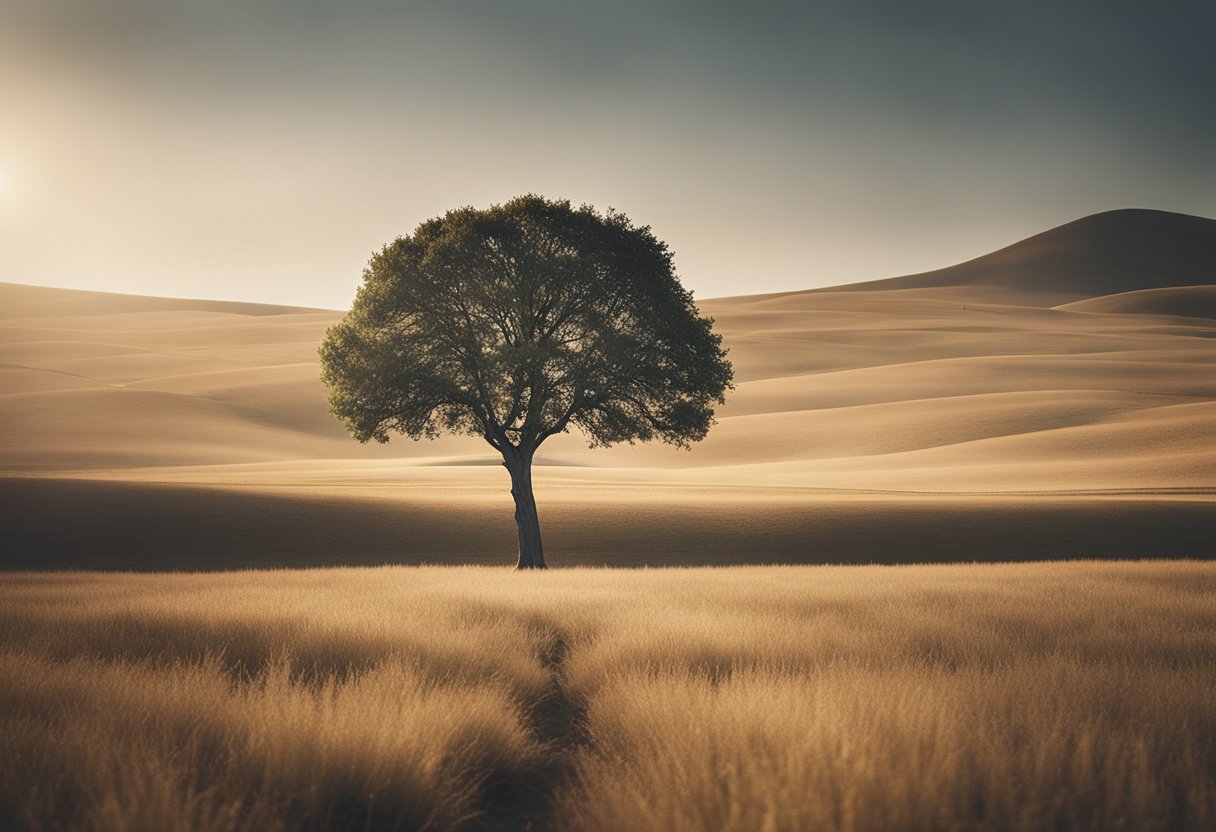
558 724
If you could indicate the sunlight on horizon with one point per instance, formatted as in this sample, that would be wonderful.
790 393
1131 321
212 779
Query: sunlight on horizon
7 185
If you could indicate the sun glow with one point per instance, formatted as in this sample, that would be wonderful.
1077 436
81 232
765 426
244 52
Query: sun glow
8 184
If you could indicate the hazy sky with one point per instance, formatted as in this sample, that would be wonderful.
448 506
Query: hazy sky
254 150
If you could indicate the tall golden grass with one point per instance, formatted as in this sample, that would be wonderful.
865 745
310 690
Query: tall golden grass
1047 696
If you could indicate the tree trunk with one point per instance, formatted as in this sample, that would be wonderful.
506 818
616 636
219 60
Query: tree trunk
531 552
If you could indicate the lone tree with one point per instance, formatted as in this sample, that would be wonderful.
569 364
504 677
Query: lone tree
516 323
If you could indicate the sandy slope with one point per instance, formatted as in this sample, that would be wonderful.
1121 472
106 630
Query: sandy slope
1064 366
1185 301
1107 253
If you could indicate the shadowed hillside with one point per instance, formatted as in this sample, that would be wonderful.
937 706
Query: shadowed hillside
1031 403
1185 301
1102 254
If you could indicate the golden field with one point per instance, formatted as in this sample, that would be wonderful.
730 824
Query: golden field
1002 697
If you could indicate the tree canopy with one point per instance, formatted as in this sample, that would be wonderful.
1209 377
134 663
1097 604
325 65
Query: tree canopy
521 321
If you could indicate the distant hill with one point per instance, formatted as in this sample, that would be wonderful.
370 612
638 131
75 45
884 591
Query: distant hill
1187 301
22 301
1103 254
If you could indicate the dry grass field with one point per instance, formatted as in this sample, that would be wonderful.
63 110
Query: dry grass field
1001 697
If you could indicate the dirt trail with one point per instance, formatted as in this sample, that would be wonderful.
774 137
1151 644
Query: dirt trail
558 722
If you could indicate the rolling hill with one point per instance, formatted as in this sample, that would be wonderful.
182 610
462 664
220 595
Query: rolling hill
1056 398
1108 253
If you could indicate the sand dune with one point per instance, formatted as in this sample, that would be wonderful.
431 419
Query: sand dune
1185 301
1077 365
22 301
1115 251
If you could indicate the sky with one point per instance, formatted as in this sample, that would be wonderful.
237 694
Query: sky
263 149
